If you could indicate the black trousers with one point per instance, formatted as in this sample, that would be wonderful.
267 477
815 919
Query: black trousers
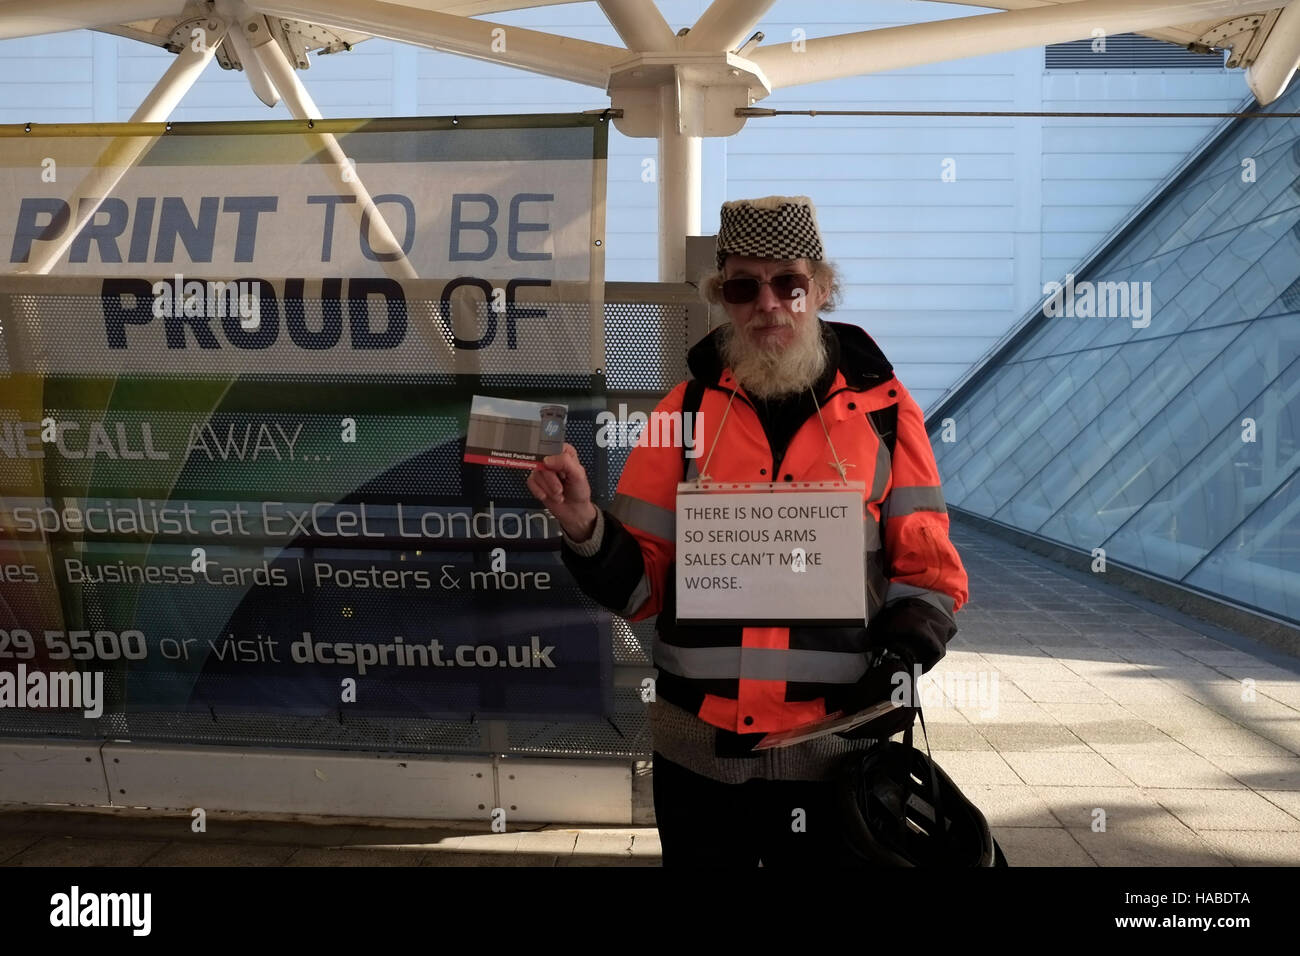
790 823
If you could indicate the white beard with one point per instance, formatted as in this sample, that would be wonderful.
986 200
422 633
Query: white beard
771 373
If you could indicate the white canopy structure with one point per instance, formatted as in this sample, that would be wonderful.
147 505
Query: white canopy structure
676 88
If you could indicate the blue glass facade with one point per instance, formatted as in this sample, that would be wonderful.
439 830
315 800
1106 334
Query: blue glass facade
1160 420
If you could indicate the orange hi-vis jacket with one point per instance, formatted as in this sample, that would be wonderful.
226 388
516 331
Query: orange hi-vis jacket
767 679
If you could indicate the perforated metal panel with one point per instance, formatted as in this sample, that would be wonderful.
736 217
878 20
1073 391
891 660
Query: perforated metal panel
625 734
648 329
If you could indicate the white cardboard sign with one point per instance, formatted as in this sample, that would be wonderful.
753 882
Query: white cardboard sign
774 554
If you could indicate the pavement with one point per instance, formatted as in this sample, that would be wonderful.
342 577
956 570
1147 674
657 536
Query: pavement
136 838
1092 727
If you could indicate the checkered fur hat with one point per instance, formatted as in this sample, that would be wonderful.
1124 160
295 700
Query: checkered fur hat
774 227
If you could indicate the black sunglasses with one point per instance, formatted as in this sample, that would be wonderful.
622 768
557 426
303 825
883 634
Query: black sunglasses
744 289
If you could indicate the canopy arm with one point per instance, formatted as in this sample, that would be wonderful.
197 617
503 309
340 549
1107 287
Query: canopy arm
29 18
580 61
938 41
726 24
640 25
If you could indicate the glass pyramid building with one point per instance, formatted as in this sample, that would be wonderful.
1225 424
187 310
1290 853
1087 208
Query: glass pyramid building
1151 407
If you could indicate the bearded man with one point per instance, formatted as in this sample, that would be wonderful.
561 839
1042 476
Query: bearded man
781 396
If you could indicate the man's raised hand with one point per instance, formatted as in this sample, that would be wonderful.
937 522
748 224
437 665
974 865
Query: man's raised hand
560 483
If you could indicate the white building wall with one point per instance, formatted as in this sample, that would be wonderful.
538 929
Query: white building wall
936 271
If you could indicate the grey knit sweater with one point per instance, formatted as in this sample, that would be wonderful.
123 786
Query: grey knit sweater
686 740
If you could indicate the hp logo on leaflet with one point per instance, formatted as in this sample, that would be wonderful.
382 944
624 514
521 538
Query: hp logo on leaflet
550 437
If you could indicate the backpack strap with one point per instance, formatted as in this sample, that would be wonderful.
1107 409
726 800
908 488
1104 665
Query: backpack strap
691 402
886 422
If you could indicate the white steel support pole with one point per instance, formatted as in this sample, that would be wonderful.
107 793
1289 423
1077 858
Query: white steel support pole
938 41
300 104
678 177
125 151
180 76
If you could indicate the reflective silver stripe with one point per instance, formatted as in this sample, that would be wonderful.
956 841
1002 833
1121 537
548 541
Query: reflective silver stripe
652 519
937 599
876 580
904 501
639 595
870 533
760 663
883 467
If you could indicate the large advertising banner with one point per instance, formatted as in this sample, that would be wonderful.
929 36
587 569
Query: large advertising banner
237 365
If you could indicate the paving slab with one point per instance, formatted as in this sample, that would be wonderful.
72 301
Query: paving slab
601 843
1260 773
1287 800
1128 736
1046 738
1254 847
946 714
67 851
1064 769
952 736
561 842
93 825
638 861
1009 713
13 844
1076 713
1232 740
1243 809
1124 808
297 834
1173 770
1040 846
973 767
1011 805
645 843
491 859
1180 715
213 853
356 856
1138 688
1158 847
1088 657
1077 691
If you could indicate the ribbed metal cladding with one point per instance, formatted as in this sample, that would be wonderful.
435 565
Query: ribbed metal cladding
1129 51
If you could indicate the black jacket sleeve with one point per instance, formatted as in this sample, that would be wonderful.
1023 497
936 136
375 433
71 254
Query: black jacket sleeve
913 630
612 576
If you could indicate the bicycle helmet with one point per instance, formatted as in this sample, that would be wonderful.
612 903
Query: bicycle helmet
892 797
